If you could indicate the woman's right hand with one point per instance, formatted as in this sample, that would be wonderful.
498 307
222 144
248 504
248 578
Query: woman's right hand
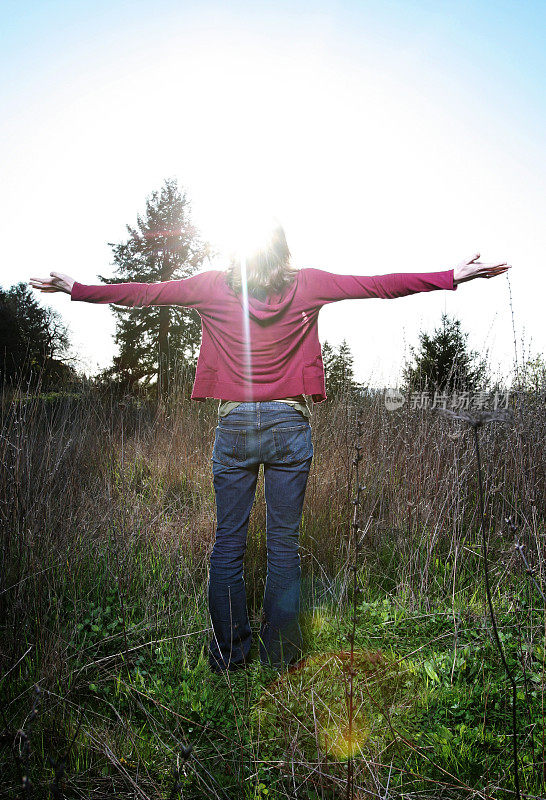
59 282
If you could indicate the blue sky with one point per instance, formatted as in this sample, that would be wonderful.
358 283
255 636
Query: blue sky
387 136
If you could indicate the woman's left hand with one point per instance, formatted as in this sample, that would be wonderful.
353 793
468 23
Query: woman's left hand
470 269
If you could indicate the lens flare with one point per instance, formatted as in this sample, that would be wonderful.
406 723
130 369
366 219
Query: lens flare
310 701
249 232
246 331
337 740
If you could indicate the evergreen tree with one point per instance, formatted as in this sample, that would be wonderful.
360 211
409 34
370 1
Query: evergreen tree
157 341
443 362
338 370
33 341
532 374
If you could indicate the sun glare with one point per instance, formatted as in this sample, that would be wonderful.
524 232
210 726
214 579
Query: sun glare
244 231
243 227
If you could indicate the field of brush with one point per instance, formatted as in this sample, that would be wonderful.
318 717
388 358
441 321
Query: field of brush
108 516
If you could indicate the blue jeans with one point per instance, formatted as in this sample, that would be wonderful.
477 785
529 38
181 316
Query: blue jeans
279 437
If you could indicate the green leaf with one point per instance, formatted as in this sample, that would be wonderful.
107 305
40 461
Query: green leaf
431 672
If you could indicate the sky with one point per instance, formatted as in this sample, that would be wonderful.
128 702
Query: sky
386 136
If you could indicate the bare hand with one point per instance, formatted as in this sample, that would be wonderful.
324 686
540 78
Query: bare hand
59 282
468 270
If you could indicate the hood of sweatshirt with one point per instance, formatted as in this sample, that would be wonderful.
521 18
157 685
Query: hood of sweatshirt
272 307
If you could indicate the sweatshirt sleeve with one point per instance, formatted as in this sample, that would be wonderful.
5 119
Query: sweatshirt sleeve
192 292
327 287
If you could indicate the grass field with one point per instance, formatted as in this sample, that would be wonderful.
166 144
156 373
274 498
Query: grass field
107 514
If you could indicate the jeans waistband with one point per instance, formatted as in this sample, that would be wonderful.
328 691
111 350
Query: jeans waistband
263 405
264 409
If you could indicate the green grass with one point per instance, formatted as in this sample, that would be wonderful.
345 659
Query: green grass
429 706
108 521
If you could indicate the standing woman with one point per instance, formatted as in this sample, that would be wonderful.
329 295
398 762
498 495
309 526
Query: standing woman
260 356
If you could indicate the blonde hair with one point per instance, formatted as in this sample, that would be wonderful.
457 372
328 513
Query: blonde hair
268 269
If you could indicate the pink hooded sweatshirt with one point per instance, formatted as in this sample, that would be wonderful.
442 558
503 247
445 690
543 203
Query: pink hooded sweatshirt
270 349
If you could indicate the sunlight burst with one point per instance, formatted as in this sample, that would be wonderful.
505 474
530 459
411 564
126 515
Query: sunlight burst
245 230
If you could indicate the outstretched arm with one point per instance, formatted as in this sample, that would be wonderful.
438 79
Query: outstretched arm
323 287
192 291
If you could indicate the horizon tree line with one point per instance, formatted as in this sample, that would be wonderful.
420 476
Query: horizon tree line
158 345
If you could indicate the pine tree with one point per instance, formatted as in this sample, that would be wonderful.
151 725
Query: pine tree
338 370
532 374
157 341
443 362
33 341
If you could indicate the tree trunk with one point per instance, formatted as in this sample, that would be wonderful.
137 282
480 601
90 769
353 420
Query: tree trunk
163 353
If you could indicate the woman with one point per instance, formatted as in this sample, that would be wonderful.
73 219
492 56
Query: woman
260 356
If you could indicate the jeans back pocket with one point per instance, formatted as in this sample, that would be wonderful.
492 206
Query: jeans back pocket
293 443
229 446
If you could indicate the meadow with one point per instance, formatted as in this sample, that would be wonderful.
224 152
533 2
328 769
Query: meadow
107 513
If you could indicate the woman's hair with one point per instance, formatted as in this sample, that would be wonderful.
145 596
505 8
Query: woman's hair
268 268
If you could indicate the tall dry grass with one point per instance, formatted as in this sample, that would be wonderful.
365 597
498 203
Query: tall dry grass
101 496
